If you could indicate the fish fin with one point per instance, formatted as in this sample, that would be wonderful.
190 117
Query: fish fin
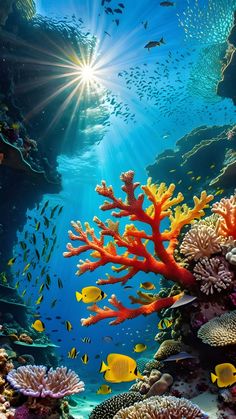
213 377
139 375
78 296
103 367
141 285
162 41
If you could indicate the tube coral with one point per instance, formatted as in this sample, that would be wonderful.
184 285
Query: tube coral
34 381
136 257
214 274
226 209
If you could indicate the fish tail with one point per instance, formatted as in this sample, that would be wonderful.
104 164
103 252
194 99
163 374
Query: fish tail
162 41
78 296
213 377
141 286
103 367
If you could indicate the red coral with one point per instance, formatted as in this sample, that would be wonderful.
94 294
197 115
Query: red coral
137 256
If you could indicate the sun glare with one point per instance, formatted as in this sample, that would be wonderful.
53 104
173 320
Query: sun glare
87 73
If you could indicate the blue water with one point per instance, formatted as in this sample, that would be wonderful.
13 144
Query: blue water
123 145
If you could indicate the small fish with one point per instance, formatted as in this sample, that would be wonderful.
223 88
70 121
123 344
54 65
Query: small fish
38 325
11 261
165 323
26 267
34 238
152 44
73 353
86 340
48 279
167 3
190 172
23 293
224 375
140 347
53 303
104 389
68 325
23 245
46 221
219 192
59 283
29 276
17 284
212 166
172 170
41 288
60 210
85 359
44 207
37 226
107 339
90 295
198 178
120 368
37 254
147 286
39 300
53 211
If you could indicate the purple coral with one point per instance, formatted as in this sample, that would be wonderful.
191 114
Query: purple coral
214 274
34 381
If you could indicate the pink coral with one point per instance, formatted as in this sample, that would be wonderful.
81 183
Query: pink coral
34 381
214 274
226 209
200 241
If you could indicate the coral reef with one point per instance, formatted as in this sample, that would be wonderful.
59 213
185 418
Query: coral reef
35 381
167 348
214 275
153 384
162 262
108 408
226 209
200 241
161 408
220 331
231 256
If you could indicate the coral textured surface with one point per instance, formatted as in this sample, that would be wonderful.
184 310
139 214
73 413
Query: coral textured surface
220 331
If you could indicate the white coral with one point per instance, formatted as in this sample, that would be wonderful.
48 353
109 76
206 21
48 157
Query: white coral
214 274
200 241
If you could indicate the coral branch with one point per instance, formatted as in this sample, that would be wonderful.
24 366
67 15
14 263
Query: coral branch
122 313
136 256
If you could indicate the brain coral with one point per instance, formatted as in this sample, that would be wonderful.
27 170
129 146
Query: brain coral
167 348
108 408
162 408
200 241
220 331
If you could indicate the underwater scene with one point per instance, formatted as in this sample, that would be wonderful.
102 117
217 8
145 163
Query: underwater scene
118 209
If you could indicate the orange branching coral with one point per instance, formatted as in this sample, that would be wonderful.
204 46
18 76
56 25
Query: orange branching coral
226 209
137 255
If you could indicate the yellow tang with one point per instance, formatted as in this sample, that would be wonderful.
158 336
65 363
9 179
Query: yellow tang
165 323
90 295
84 359
38 325
68 325
120 368
104 389
73 353
147 286
140 347
224 375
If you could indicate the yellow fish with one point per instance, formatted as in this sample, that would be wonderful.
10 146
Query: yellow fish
212 166
219 192
104 389
84 359
73 353
120 368
198 178
165 323
189 188
68 325
38 325
172 170
147 286
224 375
90 295
140 347
190 172
11 261
23 293
26 267
39 300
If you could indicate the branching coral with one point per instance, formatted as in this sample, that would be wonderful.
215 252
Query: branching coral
200 241
220 331
162 408
137 256
214 274
34 381
226 209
